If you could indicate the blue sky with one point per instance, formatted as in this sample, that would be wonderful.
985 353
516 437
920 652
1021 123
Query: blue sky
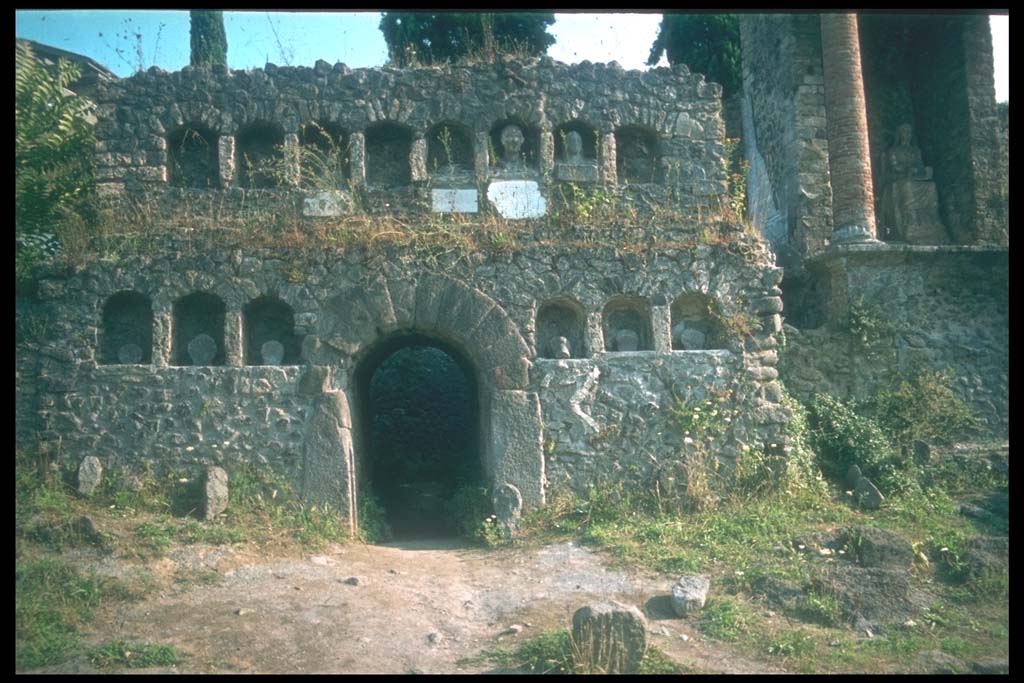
124 40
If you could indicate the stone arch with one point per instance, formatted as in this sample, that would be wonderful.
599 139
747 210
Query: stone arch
450 152
416 406
388 148
627 314
192 157
127 329
561 317
197 314
360 318
258 143
325 153
694 328
265 320
636 154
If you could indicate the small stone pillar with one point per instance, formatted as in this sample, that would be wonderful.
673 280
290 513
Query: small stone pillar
233 339
661 326
291 154
163 335
547 153
357 159
853 203
418 160
226 160
595 332
609 176
481 156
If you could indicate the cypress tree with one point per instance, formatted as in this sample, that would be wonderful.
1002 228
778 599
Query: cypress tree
209 42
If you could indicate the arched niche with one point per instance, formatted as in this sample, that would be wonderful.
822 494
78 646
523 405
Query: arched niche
528 156
324 160
127 330
259 149
450 156
693 326
198 318
636 155
626 324
269 322
192 157
559 319
387 155
588 138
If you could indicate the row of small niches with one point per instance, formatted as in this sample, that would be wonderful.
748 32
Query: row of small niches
202 350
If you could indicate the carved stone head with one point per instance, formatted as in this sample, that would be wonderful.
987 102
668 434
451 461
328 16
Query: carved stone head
512 140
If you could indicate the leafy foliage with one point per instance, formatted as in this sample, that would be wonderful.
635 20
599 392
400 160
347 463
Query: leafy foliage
427 37
921 406
209 42
53 147
843 437
707 43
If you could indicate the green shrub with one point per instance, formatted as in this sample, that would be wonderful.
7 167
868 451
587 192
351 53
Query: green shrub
843 437
921 406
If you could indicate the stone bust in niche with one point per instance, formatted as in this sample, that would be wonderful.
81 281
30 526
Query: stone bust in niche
511 164
573 166
910 205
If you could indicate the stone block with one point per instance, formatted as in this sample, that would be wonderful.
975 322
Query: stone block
215 492
517 199
90 475
516 453
454 201
689 594
609 637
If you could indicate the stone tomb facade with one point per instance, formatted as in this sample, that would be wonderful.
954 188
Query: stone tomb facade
499 137
548 418
185 358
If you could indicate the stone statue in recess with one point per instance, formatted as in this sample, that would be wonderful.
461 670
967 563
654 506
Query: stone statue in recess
511 164
573 166
910 204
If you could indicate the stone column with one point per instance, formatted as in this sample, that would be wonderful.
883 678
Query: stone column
609 174
853 203
547 152
226 160
595 333
357 159
291 154
661 327
418 172
163 330
481 156
233 352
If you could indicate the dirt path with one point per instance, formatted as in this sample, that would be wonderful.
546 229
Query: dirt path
398 608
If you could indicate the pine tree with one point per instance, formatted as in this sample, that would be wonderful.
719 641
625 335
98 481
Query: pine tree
707 43
426 38
209 42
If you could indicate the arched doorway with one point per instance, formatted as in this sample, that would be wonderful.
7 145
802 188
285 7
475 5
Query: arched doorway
420 440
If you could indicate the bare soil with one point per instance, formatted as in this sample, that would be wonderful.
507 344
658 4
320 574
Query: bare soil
409 607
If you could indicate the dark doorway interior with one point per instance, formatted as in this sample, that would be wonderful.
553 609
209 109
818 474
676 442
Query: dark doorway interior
421 430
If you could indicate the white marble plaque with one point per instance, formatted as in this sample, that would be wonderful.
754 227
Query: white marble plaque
324 204
455 201
517 198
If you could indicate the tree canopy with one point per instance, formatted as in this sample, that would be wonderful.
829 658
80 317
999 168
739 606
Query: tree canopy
209 41
707 43
430 37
